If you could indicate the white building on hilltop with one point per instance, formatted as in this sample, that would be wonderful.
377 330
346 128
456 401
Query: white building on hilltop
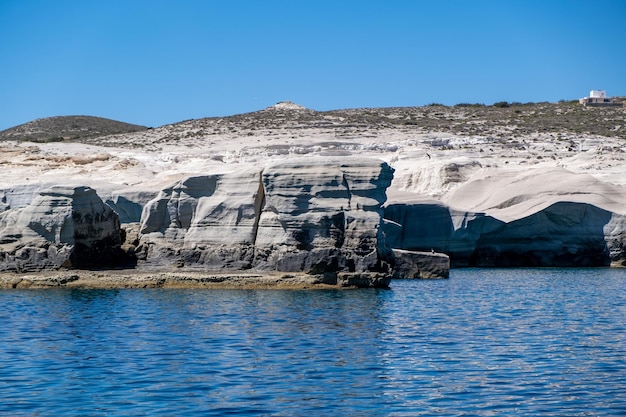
598 98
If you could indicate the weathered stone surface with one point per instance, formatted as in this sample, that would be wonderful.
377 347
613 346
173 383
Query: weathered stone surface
323 216
562 234
415 224
363 279
427 265
615 237
129 204
205 220
482 177
304 215
20 195
63 226
126 278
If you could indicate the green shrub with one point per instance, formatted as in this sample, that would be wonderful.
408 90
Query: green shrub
469 105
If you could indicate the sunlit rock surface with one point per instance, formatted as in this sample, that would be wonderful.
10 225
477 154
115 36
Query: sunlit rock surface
321 216
206 220
531 184
62 226
547 218
310 215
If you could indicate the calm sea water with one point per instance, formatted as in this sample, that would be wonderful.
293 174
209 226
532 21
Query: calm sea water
549 342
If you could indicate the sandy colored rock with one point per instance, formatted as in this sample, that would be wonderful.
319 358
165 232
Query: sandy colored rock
112 279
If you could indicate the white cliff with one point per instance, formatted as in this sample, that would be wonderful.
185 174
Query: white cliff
302 215
323 215
467 182
62 226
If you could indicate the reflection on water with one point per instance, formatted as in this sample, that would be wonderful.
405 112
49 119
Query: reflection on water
485 342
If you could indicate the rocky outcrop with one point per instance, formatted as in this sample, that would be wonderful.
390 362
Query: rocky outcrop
305 215
323 216
414 224
206 221
333 218
562 234
131 278
615 237
425 265
540 217
62 226
129 204
20 196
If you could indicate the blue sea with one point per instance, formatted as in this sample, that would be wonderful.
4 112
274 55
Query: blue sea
519 342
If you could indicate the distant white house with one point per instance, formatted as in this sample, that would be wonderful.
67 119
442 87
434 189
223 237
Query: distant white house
598 98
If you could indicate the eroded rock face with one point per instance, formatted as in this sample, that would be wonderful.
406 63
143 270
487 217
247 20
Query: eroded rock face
129 204
428 225
562 234
323 216
615 237
424 265
206 220
62 226
304 215
21 195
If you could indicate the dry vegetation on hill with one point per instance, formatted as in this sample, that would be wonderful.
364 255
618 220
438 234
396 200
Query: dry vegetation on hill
67 128
501 120
509 161
508 119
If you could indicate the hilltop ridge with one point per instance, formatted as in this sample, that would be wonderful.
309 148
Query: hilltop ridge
500 120
490 185
60 128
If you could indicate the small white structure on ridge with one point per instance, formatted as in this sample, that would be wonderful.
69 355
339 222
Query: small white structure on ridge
597 94
598 98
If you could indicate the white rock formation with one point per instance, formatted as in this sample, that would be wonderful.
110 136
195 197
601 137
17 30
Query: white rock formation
62 226
323 215
453 192
548 217
302 215
208 220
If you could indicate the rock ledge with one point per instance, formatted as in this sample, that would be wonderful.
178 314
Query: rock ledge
113 279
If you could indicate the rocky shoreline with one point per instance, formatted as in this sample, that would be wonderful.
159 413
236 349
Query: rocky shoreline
119 279
359 194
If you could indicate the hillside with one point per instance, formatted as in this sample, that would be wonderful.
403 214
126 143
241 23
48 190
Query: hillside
502 120
64 128
433 148
530 184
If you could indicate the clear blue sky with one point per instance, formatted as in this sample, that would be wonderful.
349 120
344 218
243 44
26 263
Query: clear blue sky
153 62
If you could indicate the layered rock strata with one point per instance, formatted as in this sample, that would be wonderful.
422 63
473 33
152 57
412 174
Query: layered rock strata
208 220
319 217
324 216
424 265
564 234
329 218
62 226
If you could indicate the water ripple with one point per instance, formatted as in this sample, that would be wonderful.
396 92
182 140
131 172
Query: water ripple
485 342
